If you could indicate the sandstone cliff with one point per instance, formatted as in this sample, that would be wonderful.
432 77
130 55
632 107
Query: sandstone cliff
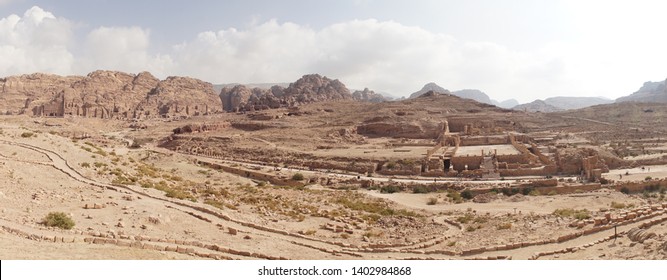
106 94
308 89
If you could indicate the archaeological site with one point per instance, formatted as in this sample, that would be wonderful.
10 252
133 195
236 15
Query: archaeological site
115 165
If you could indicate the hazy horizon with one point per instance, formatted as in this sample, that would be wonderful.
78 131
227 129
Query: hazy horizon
524 50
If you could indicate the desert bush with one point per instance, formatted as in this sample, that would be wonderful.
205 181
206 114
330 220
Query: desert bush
390 189
571 213
432 201
58 219
527 190
455 196
509 191
423 189
465 218
625 190
85 164
297 177
467 194
27 134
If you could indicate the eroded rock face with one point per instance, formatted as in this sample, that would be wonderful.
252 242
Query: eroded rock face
369 96
106 94
308 89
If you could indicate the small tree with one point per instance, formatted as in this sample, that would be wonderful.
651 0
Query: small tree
58 219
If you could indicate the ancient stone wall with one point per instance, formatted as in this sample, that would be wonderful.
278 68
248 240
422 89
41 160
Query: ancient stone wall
512 159
473 162
484 140
543 171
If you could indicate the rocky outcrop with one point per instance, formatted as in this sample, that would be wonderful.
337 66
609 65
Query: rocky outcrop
179 96
308 89
369 96
106 94
649 92
242 98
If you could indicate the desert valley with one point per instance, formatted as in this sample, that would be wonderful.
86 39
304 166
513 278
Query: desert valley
143 168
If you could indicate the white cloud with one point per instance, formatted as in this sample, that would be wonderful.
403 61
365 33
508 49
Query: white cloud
382 55
385 56
120 48
36 41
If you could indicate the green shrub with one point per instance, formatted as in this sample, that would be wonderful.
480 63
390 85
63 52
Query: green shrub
297 177
390 189
423 189
58 219
455 196
569 212
467 194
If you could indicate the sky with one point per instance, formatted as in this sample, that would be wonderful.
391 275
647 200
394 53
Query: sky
521 49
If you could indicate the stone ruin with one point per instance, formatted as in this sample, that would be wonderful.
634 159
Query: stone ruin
444 159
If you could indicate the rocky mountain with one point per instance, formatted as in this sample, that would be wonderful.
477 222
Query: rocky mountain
428 87
649 92
369 96
107 94
308 89
571 102
473 94
537 106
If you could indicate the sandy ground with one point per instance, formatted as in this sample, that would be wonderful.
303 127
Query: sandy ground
638 174
47 172
526 204
486 149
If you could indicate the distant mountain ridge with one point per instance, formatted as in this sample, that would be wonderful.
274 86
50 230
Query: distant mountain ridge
473 94
649 92
537 106
574 102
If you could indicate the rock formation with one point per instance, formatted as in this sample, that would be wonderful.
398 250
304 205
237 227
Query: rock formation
308 89
106 94
429 87
649 92
369 96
